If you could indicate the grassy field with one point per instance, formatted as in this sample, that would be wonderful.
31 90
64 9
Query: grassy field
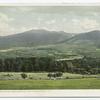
86 83
14 81
40 76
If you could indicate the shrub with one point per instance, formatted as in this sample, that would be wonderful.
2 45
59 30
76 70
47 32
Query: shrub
67 77
54 75
49 75
59 74
8 75
23 75
30 77
83 76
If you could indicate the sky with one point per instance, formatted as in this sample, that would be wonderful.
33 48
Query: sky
71 19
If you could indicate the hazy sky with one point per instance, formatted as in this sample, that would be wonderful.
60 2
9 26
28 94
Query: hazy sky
17 19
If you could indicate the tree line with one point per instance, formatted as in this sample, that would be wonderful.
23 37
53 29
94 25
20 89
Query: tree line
49 64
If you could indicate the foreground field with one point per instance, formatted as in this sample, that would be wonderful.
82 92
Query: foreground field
40 76
86 83
12 80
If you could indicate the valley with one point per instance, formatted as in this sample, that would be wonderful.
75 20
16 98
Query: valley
34 56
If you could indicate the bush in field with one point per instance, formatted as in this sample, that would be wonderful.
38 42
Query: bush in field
54 75
67 77
59 74
9 75
23 75
49 75
30 77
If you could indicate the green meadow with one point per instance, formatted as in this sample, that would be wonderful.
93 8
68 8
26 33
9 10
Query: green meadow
86 83
14 81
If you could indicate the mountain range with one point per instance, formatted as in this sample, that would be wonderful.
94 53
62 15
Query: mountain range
44 37
33 38
43 42
87 37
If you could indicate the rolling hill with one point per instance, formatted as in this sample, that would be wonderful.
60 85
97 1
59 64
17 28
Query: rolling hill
92 37
33 38
44 43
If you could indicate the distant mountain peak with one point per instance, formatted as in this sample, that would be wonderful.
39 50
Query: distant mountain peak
33 38
87 37
95 31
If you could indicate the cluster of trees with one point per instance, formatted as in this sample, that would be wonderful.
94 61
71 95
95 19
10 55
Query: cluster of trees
47 64
87 65
31 64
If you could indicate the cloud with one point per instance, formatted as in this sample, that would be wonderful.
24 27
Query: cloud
89 24
5 28
64 19
50 22
69 19
4 17
25 9
82 25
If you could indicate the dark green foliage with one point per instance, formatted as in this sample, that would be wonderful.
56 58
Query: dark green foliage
23 75
49 75
55 74
83 66
67 77
59 74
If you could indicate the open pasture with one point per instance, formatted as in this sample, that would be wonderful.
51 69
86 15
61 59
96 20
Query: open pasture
14 81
